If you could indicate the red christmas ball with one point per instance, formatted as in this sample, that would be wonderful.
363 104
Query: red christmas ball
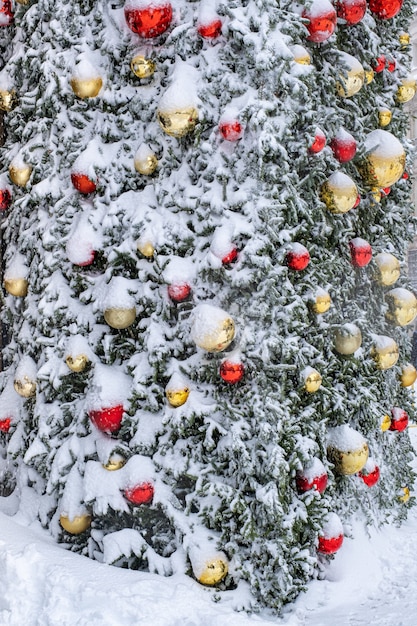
305 484
5 424
330 545
148 22
210 30
343 146
360 252
399 420
5 199
405 176
298 257
232 372
141 494
178 292
230 257
231 131
391 65
321 25
386 191
318 143
6 13
109 419
385 9
371 478
88 260
379 64
83 183
357 202
351 11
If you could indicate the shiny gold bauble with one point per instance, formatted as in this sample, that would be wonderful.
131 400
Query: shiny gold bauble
146 165
178 122
388 269
25 387
23 2
347 339
312 381
120 318
385 162
384 117
115 462
386 423
404 40
219 338
177 397
146 248
8 100
402 306
322 303
213 572
16 286
20 174
408 375
301 55
405 494
142 67
351 79
407 90
339 193
369 76
385 355
77 525
77 363
348 463
86 87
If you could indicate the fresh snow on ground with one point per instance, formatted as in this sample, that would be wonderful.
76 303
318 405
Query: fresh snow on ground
371 581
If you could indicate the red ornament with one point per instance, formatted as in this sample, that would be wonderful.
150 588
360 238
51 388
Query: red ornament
399 421
322 22
298 257
83 183
380 64
231 130
351 11
385 9
150 21
232 372
210 30
108 420
5 199
318 143
343 146
305 484
371 478
330 545
386 191
357 202
5 424
230 257
178 292
391 64
405 176
6 13
88 260
360 252
141 494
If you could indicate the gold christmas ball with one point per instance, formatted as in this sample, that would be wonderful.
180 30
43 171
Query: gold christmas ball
384 117
77 525
387 268
86 87
120 318
348 463
212 329
20 174
369 76
213 572
312 380
142 67
25 387
384 162
385 352
146 248
77 363
339 193
178 122
402 306
16 286
404 494
146 165
115 462
407 90
301 55
177 397
8 100
386 423
408 375
322 303
347 339
351 78
404 39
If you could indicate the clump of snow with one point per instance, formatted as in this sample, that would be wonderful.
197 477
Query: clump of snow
85 70
207 12
298 248
82 243
143 152
146 4
182 93
221 244
383 342
26 369
314 468
345 438
176 382
332 526
203 553
299 51
90 158
109 387
351 62
76 345
369 466
403 294
343 137
16 268
6 83
383 144
358 242
18 162
341 181
119 293
206 322
179 269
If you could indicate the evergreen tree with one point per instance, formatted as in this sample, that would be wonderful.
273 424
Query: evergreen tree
202 353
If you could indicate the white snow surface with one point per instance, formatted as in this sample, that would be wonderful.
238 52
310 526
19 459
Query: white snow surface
371 580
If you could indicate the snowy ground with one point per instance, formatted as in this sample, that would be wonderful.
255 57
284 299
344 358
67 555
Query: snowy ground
372 581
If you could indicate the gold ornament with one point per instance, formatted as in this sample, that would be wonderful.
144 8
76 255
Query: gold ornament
146 248
352 78
142 67
115 462
177 391
145 165
25 387
77 363
16 286
77 525
384 117
312 380
388 269
178 122
20 174
86 87
404 39
408 375
369 76
213 572
339 193
385 160
385 352
348 463
301 55
8 100
402 306
212 329
120 318
407 90
322 303
405 494
386 423
347 339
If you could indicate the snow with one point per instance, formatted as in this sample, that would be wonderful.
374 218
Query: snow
108 388
332 526
345 438
383 144
16 268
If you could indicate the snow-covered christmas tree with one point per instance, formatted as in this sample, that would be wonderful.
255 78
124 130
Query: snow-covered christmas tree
206 211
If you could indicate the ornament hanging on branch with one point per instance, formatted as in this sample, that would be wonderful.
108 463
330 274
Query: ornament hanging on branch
399 419
343 146
177 390
232 371
115 462
145 246
298 257
142 493
77 354
75 525
402 306
148 18
360 252
331 535
301 55
321 23
145 161
312 379
318 143
347 450
86 81
404 494
313 476
6 13
5 424
209 24
320 301
385 9
5 197
230 127
339 193
384 351
407 90
106 397
386 423
25 376
347 339
177 111
384 162
387 269
119 305
351 76
20 172
384 117
212 328
8 100
142 66
350 12
15 279
83 183
209 567
370 473
408 375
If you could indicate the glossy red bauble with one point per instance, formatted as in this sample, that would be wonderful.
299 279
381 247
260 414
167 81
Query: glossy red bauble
109 419
360 252
232 372
320 26
405 176
391 65
211 30
330 545
385 9
386 191
83 183
6 13
150 21
317 482
178 292
231 256
5 424
5 199
231 131
357 202
318 143
141 494
380 64
343 146
371 478
399 420
298 257
351 11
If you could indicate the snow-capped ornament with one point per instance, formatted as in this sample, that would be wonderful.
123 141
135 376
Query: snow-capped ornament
387 270
230 127
312 379
178 121
402 306
385 9
6 13
83 183
318 143
339 193
320 302
351 76
313 476
384 160
115 462
8 100
384 117
209 566
212 328
119 307
231 256
107 419
347 450
177 390
298 257
120 318
360 252
145 160
179 291
384 352
232 372
16 285
142 493
386 423
301 55
399 419
391 64
25 376
20 172
408 375
5 424
75 525
145 247
370 473
350 12
407 90
347 339
142 66
209 24
322 18
86 81
404 39
343 146
330 538
77 363
148 18
5 198
380 64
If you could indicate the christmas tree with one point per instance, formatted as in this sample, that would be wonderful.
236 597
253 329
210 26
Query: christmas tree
205 291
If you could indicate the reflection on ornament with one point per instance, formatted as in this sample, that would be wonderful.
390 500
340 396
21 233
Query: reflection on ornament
369 76
347 339
150 21
232 372
312 380
386 423
86 87
145 165
387 269
120 318
408 375
321 21
384 117
77 363
385 9
212 329
83 183
384 352
25 387
20 174
384 162
16 286
322 302
339 193
146 248
108 419
350 11
351 78
141 494
115 462
8 100
407 90
178 122
76 525
142 67
404 494
402 306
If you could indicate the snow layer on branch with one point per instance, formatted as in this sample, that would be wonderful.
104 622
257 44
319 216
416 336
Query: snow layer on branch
109 387
345 438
